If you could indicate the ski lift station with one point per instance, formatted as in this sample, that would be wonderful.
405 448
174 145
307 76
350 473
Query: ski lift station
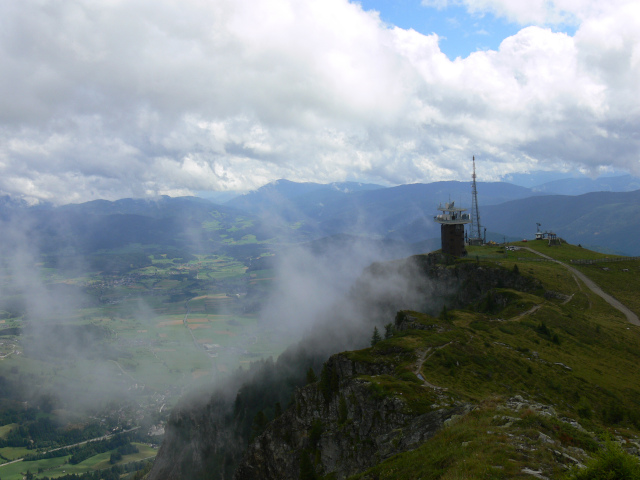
552 237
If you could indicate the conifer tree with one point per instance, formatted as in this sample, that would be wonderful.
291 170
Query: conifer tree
375 338
388 331
311 376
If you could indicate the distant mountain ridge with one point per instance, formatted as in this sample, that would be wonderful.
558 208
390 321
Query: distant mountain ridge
403 213
579 186
605 219
285 212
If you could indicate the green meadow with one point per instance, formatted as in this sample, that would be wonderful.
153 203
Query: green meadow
569 350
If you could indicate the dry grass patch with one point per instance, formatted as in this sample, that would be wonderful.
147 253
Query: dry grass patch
169 323
198 325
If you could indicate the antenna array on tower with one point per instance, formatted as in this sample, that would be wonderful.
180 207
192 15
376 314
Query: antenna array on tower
475 237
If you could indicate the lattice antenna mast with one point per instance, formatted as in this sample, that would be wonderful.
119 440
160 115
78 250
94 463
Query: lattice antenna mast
475 212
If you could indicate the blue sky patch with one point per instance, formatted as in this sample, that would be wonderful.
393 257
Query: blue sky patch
460 32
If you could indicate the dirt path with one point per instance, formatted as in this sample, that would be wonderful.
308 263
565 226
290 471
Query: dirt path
2 357
423 356
631 317
524 314
123 370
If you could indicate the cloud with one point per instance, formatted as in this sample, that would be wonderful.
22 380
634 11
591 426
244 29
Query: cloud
111 98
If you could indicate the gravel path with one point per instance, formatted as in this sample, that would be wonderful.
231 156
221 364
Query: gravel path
632 317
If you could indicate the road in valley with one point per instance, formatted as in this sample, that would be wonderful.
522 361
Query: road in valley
104 437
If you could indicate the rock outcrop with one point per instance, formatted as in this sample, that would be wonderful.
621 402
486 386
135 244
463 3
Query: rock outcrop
200 442
346 431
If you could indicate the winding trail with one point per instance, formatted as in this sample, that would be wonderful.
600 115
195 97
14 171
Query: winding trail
524 314
423 356
631 317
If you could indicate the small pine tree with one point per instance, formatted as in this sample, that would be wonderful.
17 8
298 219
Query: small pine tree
543 329
388 331
311 376
277 409
375 338
516 270
259 424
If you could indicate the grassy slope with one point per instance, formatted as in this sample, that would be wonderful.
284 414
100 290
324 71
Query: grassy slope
487 358
610 276
5 429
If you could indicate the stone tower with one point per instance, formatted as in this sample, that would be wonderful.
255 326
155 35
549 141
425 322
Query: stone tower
452 222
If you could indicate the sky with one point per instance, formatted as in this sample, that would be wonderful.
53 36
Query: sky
132 98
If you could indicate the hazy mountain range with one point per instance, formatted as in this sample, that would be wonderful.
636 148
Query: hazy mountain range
285 212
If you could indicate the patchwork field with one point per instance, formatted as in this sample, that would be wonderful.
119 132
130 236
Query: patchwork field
138 341
56 467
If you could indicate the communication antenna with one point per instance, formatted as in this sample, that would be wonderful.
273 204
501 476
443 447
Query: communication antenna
475 212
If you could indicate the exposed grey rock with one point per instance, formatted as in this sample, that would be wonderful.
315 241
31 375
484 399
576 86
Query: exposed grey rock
564 366
535 473
376 427
518 403
545 438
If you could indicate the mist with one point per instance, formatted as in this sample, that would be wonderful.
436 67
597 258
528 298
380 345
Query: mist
58 362
139 323
326 297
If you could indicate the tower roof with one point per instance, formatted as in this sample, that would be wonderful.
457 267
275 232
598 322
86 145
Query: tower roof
452 215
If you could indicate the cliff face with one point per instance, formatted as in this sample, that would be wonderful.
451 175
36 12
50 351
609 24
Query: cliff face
426 283
200 443
341 430
346 422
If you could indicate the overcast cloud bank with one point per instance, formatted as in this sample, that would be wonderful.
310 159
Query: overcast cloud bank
111 99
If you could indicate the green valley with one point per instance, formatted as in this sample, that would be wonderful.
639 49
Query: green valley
133 339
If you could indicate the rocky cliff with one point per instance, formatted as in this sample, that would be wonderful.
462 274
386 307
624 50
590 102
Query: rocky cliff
342 425
200 439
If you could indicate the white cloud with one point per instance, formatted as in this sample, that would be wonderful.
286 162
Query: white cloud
113 98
